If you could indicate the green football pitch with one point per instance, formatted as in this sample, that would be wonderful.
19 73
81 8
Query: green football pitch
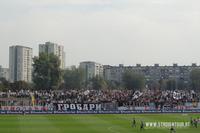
90 123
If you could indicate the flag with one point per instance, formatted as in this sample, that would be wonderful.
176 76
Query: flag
33 100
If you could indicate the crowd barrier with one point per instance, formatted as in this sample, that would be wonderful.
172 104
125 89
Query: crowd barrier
100 112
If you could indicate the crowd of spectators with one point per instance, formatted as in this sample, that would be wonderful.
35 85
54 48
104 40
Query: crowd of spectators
121 97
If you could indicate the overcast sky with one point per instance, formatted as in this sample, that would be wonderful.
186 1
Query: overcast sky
105 31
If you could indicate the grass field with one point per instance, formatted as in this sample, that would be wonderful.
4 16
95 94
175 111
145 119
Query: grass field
88 123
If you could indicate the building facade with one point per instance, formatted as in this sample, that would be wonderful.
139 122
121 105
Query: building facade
55 49
152 73
4 73
91 70
114 73
20 63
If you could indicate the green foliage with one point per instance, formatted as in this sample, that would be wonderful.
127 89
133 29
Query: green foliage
182 84
113 85
133 80
195 79
98 83
171 84
73 78
154 84
4 84
47 73
18 85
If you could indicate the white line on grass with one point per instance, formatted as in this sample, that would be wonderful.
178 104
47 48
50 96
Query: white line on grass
112 130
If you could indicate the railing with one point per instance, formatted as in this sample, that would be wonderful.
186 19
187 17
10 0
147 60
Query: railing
99 112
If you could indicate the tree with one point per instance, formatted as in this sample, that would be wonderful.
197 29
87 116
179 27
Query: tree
98 83
195 79
46 71
73 78
4 84
133 80
154 84
171 84
19 85
182 84
113 84
162 84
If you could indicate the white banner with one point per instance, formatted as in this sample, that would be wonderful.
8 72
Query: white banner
77 107
29 108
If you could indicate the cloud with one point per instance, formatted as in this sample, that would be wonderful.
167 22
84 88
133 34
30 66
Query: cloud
142 31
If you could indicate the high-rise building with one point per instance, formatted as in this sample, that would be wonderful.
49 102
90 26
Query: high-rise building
91 69
4 73
54 48
20 63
